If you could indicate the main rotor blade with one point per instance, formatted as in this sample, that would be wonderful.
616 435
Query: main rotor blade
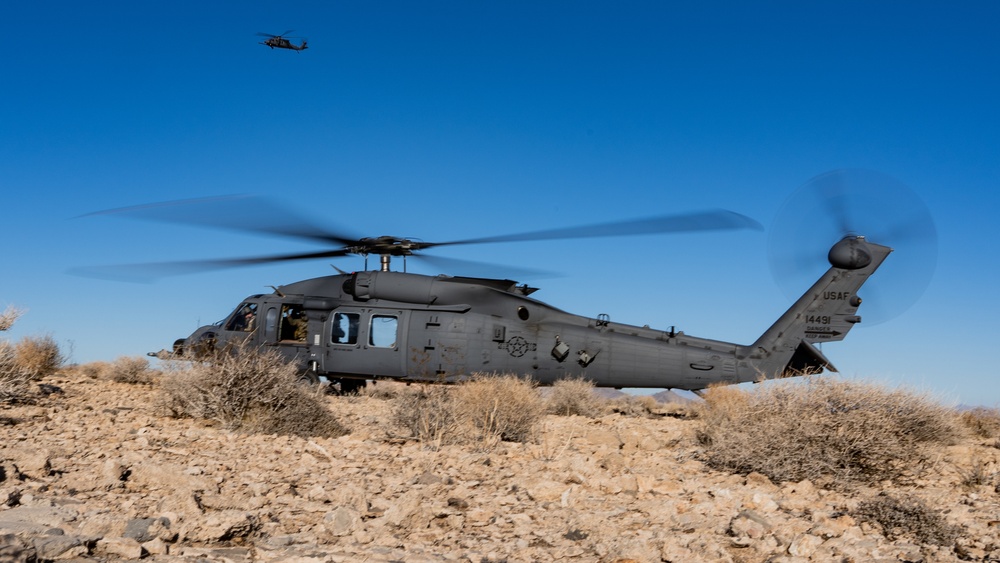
151 271
472 268
714 220
259 215
246 213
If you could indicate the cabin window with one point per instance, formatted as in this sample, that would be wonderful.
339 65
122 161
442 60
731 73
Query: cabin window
244 319
383 331
345 328
293 323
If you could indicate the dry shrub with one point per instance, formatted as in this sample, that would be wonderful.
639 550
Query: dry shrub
983 422
129 369
38 355
499 408
248 391
428 415
639 406
569 397
383 390
820 427
94 370
978 474
9 316
20 363
14 380
481 412
908 517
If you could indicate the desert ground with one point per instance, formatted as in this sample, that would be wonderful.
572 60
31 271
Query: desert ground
92 469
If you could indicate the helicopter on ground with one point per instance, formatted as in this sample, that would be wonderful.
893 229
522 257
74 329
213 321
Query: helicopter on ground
350 328
282 42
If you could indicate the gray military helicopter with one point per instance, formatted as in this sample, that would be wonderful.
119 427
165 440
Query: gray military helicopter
383 324
282 42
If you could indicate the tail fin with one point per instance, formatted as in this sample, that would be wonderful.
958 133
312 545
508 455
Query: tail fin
825 313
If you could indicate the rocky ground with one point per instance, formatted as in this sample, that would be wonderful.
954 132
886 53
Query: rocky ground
91 471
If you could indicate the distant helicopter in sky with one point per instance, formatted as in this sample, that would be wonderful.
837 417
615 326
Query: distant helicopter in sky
282 42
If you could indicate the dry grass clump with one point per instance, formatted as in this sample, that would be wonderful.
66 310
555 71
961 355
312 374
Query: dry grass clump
38 356
428 415
248 391
821 427
569 397
503 407
92 370
130 369
979 473
638 406
9 316
908 517
382 390
14 380
481 412
982 421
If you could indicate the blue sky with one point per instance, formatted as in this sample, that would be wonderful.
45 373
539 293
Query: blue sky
453 120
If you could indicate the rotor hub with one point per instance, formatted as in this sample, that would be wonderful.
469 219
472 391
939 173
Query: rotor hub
851 253
385 246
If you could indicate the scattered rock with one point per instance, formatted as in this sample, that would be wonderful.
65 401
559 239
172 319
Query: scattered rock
94 473
125 548
342 521
143 530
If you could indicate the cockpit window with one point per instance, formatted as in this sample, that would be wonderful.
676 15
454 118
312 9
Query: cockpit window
271 320
244 319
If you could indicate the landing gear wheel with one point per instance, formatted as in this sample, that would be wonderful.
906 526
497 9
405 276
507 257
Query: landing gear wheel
352 386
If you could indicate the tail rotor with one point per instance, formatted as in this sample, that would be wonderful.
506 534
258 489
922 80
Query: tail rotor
856 203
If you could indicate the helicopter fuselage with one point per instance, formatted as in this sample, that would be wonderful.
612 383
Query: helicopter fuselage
411 327
443 329
282 43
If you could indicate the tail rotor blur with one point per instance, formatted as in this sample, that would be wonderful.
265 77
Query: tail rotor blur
856 202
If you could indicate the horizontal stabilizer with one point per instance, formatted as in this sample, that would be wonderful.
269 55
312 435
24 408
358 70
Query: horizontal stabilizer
807 360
